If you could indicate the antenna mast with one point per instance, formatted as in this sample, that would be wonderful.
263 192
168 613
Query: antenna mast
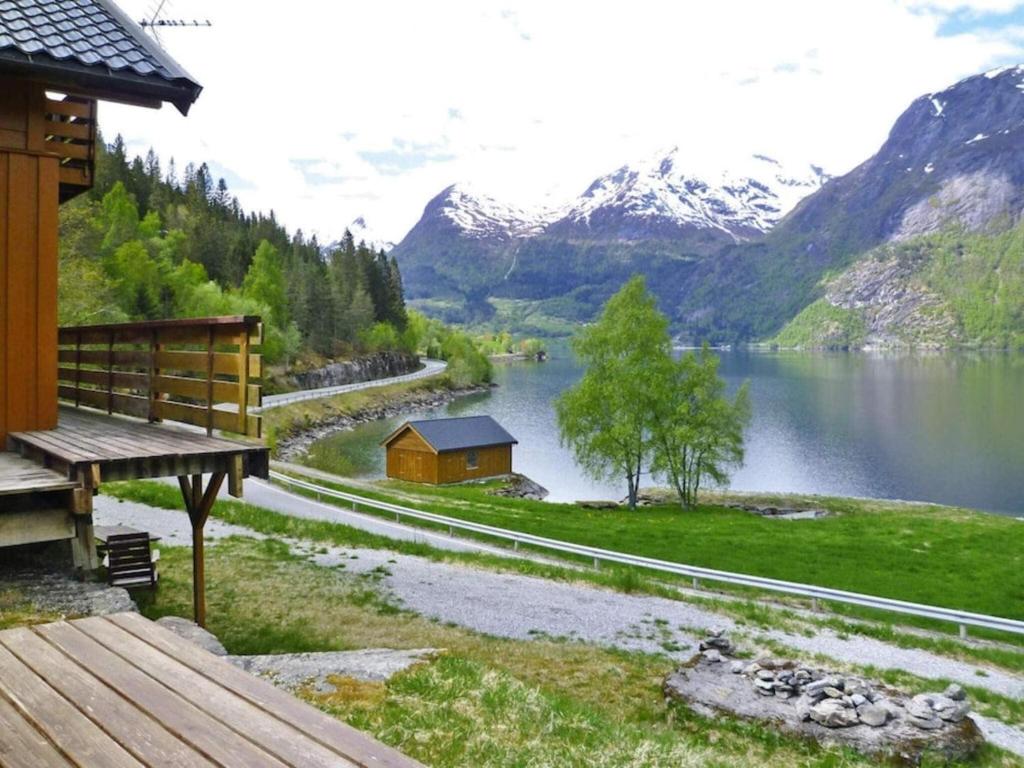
156 22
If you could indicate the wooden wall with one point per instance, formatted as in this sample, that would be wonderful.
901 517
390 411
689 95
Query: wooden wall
496 460
410 458
29 181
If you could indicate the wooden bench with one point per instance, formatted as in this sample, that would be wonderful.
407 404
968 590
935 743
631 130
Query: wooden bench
130 560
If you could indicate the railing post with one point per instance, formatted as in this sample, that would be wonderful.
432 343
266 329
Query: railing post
154 372
78 369
110 373
243 381
209 379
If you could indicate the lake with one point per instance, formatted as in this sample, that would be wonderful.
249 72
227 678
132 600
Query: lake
941 428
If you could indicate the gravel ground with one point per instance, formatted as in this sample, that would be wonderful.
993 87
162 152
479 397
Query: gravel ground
525 607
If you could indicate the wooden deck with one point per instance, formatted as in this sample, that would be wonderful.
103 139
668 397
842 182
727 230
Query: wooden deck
122 448
120 691
19 475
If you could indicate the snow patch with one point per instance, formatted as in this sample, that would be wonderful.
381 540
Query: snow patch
979 137
929 168
939 106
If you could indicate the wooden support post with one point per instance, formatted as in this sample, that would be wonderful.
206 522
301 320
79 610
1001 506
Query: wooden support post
235 476
198 503
83 546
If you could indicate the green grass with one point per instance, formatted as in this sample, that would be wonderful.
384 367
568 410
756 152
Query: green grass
753 612
483 701
922 553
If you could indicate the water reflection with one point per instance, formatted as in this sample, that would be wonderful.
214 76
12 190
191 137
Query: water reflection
944 428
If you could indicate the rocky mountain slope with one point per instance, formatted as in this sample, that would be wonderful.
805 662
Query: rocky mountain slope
953 164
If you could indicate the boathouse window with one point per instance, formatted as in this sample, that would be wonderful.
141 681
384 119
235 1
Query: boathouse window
471 459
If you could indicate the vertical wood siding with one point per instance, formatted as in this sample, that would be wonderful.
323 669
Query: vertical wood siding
28 292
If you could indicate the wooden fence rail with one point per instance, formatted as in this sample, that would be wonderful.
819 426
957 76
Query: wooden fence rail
198 371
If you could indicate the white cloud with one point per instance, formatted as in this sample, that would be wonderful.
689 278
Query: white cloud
336 110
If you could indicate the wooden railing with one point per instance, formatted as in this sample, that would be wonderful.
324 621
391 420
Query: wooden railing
198 371
69 127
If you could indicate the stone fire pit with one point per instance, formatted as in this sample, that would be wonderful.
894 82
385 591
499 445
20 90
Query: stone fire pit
829 707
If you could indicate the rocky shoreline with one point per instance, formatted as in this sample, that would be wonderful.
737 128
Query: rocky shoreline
293 445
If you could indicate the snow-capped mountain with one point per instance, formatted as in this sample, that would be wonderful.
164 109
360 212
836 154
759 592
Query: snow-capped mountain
662 198
469 242
361 233
477 215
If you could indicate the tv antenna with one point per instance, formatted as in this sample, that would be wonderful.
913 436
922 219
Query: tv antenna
157 21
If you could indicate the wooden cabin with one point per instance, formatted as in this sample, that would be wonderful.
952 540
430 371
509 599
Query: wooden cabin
82 406
441 451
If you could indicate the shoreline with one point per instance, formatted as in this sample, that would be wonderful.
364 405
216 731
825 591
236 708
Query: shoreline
296 443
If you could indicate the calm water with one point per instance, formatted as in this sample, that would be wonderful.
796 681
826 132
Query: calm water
948 429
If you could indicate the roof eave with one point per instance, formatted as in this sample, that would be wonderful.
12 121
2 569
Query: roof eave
100 82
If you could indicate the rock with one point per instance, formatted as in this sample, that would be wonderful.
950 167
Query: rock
752 669
379 365
880 726
873 715
520 487
713 655
833 693
192 632
723 644
818 686
956 713
832 714
597 504
926 723
736 667
765 674
955 692
921 707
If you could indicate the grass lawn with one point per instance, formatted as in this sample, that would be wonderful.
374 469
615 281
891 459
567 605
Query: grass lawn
923 553
483 701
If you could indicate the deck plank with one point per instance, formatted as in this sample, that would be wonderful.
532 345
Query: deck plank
22 746
346 740
279 738
57 719
126 448
20 475
138 733
183 719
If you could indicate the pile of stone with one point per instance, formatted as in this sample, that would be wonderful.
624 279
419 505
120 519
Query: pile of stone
835 701
824 705
781 513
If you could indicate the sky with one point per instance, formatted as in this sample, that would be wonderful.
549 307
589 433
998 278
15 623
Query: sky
329 111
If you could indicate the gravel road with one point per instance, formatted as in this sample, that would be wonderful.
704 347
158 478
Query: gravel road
525 607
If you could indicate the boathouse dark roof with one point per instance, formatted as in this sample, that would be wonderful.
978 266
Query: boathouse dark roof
458 433
92 47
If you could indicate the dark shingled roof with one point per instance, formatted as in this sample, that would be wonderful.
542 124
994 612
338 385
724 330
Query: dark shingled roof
458 433
91 44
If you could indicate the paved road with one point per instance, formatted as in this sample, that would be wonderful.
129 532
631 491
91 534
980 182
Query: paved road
430 368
